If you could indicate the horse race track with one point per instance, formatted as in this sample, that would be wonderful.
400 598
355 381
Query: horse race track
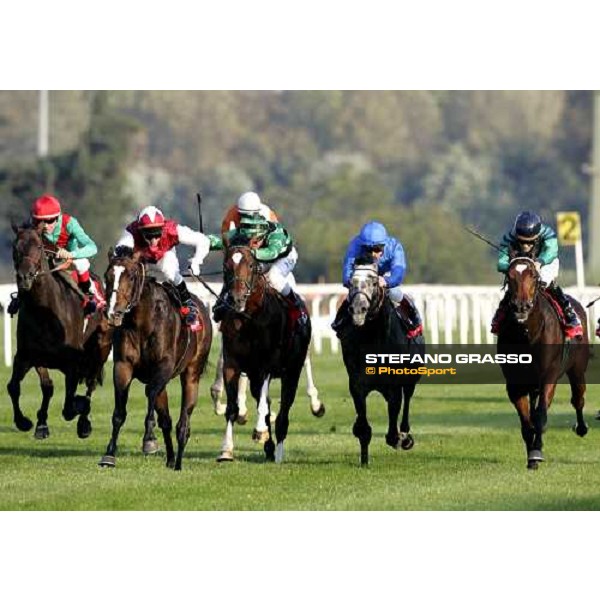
468 455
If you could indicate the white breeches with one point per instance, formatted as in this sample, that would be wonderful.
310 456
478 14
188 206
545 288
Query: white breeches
280 273
549 272
167 268
395 294
81 265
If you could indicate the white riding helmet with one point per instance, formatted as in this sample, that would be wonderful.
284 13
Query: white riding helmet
249 202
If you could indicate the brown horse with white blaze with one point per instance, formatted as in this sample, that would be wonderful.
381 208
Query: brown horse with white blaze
153 345
261 340
535 328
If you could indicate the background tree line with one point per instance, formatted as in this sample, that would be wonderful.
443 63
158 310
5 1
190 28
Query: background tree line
424 163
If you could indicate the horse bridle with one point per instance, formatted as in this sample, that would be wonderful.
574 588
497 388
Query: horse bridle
537 279
373 307
42 266
256 271
137 290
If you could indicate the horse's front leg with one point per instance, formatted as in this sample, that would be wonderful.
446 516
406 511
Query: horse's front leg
231 374
20 368
540 422
393 398
361 429
189 398
406 439
520 399
122 377
41 427
289 387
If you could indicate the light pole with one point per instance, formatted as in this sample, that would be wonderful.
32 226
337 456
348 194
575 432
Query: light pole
43 129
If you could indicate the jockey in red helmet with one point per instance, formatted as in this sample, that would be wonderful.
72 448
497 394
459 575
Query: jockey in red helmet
156 238
62 233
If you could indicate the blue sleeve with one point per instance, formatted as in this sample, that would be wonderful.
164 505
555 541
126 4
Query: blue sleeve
397 266
349 263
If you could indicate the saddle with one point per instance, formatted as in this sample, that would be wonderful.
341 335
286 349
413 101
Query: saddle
557 309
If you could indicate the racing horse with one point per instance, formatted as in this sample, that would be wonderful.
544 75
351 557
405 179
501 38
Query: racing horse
52 333
375 323
261 340
535 328
153 345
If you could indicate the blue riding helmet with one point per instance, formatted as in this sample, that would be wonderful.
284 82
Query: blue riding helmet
373 234
528 226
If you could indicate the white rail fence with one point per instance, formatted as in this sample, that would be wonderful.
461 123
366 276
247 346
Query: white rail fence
451 313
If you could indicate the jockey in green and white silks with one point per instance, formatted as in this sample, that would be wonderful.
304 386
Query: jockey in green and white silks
533 239
272 246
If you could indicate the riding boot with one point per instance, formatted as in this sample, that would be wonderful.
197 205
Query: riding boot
89 300
342 319
297 310
221 306
13 307
411 317
500 314
188 310
573 324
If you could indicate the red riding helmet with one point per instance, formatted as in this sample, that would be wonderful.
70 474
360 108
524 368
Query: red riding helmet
150 218
45 207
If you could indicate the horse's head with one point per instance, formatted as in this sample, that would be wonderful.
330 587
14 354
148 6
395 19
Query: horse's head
523 285
365 292
124 282
242 274
28 256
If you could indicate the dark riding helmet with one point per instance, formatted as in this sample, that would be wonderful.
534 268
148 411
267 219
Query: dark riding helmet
528 227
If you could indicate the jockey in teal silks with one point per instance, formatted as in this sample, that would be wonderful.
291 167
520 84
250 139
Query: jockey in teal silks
533 239
373 241
62 234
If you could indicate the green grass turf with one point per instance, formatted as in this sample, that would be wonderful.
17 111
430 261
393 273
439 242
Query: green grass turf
468 456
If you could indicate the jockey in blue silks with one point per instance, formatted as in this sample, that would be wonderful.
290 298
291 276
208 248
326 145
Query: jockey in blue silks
373 241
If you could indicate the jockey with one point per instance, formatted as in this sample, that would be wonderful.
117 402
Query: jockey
273 247
62 233
248 203
156 238
373 241
531 238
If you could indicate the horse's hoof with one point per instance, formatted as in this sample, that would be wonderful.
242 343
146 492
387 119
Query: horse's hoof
406 442
84 427
171 464
260 437
319 412
242 419
392 441
269 448
279 453
108 461
150 447
364 460
533 464
225 456
534 456
580 430
22 423
41 432
219 408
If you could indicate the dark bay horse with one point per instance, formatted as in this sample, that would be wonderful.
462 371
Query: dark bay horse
536 328
375 323
52 333
259 340
153 345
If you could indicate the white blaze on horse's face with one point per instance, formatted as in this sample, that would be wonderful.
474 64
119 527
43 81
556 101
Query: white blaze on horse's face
237 258
118 271
364 284
520 268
